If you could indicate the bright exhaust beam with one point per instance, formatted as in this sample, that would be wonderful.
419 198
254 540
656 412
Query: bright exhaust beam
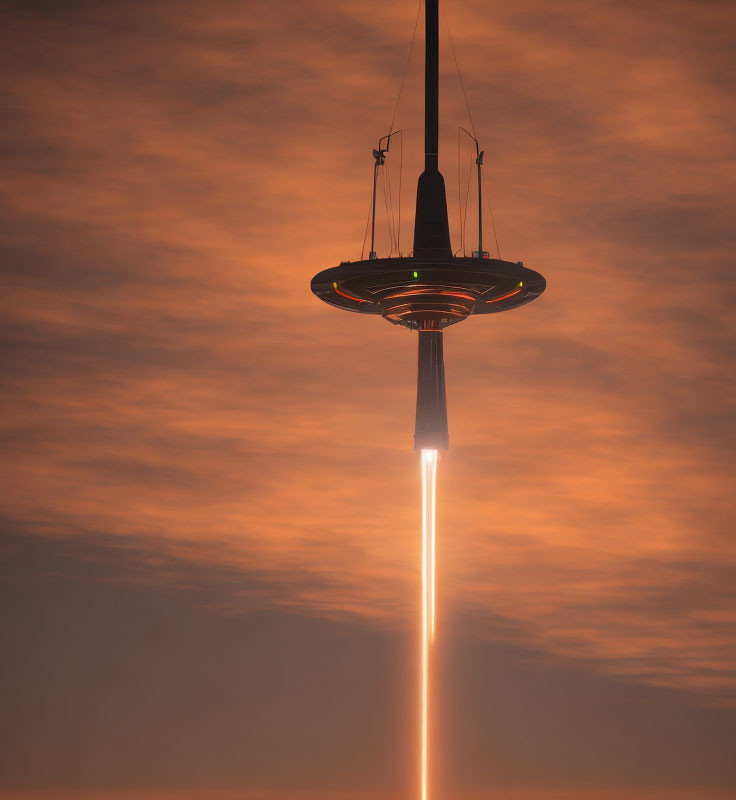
429 480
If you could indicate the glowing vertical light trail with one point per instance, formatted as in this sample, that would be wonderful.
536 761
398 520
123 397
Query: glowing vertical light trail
429 480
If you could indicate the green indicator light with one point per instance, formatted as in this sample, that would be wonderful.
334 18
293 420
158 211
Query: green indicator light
416 274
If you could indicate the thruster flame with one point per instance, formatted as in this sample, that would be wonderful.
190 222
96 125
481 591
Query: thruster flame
429 481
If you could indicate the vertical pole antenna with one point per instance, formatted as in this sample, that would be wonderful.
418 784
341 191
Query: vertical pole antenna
431 226
431 87
380 156
479 162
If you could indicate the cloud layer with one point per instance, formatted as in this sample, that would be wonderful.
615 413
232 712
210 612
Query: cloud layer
174 173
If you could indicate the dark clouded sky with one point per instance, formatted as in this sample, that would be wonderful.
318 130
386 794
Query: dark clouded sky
210 505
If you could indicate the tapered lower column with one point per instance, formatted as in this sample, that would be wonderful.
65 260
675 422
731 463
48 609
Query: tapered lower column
430 430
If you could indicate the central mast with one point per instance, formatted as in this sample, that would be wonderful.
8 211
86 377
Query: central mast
431 242
431 87
431 227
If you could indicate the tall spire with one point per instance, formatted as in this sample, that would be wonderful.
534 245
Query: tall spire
431 86
431 226
430 289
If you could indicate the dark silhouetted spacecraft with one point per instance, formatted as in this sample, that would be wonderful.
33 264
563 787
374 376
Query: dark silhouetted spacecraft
432 288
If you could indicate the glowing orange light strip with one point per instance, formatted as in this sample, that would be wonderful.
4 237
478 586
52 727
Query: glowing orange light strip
429 479
504 296
430 292
349 296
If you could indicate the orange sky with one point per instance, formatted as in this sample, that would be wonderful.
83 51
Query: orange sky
185 425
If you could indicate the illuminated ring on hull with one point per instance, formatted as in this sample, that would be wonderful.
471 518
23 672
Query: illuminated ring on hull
430 294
